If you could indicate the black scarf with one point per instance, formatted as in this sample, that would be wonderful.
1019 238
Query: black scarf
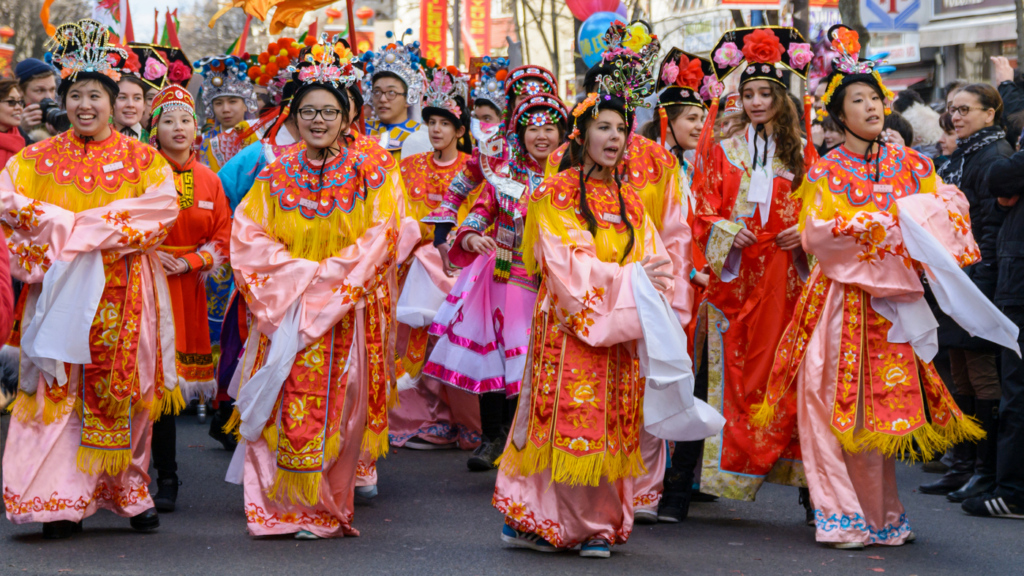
952 172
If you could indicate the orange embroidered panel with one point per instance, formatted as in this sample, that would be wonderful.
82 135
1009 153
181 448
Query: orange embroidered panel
602 199
901 171
426 182
109 164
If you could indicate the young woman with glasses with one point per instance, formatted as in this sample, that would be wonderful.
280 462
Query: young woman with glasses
12 104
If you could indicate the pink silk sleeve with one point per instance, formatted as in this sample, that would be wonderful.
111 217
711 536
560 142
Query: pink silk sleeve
676 235
866 251
37 232
946 216
592 298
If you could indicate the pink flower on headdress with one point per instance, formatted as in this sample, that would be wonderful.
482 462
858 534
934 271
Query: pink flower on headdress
669 73
800 55
155 69
710 88
179 73
728 55
113 59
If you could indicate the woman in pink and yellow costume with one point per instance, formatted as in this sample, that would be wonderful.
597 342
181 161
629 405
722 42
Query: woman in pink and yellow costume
484 325
860 344
84 211
313 248
430 415
567 473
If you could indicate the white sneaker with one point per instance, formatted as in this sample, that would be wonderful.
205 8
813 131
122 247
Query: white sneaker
847 545
645 516
367 492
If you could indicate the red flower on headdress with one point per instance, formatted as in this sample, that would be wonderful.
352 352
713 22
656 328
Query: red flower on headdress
133 63
690 73
762 47
846 40
179 73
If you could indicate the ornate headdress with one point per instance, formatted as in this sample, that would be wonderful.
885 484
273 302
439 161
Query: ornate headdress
224 76
446 93
847 67
686 79
328 63
399 59
631 56
491 85
172 97
270 68
157 66
766 50
82 51
529 80
732 104
540 110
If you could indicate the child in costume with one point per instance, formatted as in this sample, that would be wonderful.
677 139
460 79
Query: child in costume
393 85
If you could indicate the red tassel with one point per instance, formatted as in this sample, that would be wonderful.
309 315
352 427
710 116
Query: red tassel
271 135
810 152
663 132
702 177
268 118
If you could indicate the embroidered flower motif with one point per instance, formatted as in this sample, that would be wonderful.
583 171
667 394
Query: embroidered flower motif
895 375
900 424
728 55
762 46
579 444
800 55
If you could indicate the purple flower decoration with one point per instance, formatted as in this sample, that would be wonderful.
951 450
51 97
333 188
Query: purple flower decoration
800 55
728 55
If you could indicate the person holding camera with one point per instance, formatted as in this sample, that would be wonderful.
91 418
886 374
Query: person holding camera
37 82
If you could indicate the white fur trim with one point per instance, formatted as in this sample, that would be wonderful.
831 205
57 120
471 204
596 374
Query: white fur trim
218 259
202 390
925 122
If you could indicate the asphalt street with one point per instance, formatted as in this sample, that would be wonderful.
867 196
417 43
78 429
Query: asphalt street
434 517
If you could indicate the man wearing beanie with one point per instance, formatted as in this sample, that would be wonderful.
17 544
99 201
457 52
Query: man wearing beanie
37 81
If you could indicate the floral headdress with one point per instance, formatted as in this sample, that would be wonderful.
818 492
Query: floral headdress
847 67
446 92
529 80
82 50
269 68
224 76
491 85
396 58
158 66
767 50
328 62
172 97
631 54
686 79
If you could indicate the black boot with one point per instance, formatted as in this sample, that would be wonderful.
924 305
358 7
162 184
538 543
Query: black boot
145 522
217 422
984 479
483 458
964 455
674 506
167 493
805 501
60 530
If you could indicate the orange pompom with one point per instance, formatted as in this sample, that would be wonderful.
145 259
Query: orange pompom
253 73
310 40
293 52
453 70
264 58
501 75
272 48
431 64
272 69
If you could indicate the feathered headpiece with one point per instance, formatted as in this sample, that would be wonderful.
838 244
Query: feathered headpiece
847 66
631 54
399 59
158 66
224 76
491 85
446 93
82 51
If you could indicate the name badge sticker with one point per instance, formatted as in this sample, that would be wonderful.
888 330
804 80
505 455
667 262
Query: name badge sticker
107 169
785 174
205 204
435 197
308 204
613 218
883 188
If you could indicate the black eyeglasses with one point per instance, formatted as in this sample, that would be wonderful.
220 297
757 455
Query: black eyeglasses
328 114
962 110
389 95
14 103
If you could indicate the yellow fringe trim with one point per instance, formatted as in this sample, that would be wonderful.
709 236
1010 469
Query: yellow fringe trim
234 424
318 238
270 434
376 444
568 469
93 460
332 449
296 487
544 217
24 407
172 402
764 414
924 443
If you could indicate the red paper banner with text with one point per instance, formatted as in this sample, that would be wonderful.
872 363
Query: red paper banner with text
434 30
478 18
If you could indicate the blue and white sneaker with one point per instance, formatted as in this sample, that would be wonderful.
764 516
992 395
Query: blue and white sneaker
510 535
366 492
306 535
596 548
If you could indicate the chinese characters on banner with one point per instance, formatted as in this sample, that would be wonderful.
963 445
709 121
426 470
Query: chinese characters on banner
478 18
434 30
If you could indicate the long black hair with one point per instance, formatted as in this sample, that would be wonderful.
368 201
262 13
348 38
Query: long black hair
575 156
465 143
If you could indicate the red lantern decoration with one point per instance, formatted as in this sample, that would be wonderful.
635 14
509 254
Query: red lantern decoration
365 13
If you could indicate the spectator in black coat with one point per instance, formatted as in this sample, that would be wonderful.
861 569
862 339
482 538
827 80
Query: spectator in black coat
1011 87
1007 499
976 111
